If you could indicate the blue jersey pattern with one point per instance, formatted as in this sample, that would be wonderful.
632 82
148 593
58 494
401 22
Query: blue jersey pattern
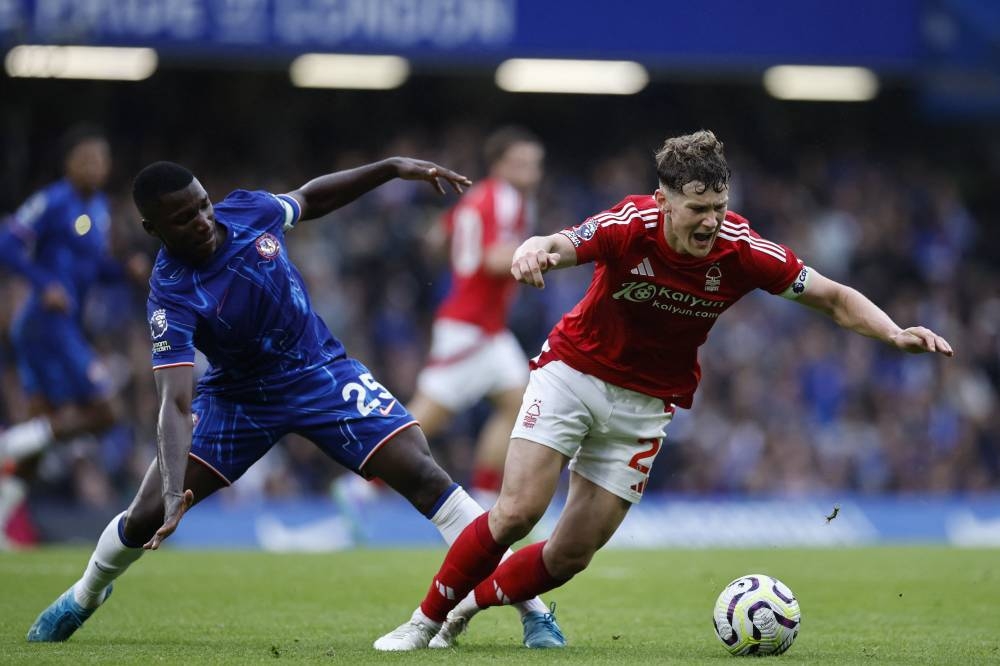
247 309
58 236
275 366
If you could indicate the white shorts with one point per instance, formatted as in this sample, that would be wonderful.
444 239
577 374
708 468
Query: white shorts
466 364
611 434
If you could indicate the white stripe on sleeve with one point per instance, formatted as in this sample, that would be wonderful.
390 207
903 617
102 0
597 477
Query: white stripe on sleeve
292 210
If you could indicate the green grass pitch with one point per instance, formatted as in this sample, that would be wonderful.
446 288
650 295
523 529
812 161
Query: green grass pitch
905 605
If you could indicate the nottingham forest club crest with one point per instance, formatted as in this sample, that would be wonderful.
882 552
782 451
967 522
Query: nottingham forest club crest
713 278
267 246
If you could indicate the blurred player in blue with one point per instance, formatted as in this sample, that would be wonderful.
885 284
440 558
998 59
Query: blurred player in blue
223 283
58 241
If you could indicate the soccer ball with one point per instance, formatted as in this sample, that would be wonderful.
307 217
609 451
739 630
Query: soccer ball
756 615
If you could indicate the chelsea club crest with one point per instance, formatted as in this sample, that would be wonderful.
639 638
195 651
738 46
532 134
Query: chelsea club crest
267 246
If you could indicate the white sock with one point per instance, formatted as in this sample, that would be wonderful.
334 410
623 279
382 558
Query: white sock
13 490
468 607
418 616
110 560
25 439
457 512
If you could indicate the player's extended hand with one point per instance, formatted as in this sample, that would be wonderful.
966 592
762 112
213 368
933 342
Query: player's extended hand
409 168
530 262
174 507
55 298
917 340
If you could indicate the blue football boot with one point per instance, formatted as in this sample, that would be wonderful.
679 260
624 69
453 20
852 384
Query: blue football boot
62 618
541 629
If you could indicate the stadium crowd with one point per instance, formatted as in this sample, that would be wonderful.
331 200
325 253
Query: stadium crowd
823 411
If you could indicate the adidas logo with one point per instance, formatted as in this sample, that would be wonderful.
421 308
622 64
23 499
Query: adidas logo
501 596
643 268
444 590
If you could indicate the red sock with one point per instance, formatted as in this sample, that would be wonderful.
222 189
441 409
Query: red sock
486 479
473 557
522 576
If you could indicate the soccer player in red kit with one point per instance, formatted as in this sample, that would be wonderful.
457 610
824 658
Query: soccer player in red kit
473 355
605 386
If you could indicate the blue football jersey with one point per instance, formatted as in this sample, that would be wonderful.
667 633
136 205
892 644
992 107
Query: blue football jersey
247 309
66 237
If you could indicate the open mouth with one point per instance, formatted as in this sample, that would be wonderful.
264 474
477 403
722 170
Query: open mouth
702 238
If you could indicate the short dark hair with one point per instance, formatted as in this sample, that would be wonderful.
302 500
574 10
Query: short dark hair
78 134
693 157
154 181
500 140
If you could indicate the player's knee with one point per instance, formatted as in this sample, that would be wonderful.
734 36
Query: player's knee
513 520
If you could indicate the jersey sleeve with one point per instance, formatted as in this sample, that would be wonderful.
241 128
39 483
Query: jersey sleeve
291 210
30 220
15 254
772 267
19 235
276 213
171 328
604 235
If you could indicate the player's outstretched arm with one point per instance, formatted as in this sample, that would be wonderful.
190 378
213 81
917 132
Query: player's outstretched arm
327 193
14 256
173 443
852 310
540 254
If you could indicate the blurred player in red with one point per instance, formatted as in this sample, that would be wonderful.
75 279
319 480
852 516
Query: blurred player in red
473 355
612 371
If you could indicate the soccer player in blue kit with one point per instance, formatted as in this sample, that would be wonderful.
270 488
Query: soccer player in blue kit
58 241
223 283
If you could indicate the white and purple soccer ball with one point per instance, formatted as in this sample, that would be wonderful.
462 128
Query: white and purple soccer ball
756 615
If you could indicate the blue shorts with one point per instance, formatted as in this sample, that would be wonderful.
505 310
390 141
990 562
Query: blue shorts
55 361
339 407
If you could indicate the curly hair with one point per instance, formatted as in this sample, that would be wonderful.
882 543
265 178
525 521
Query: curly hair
690 158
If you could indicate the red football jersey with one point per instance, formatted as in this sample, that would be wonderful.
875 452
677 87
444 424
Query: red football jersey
492 212
648 308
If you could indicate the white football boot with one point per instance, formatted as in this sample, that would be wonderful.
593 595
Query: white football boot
415 634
